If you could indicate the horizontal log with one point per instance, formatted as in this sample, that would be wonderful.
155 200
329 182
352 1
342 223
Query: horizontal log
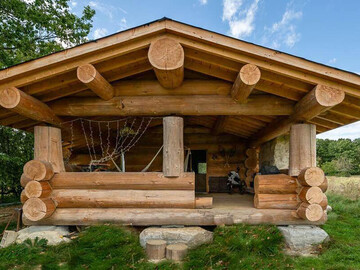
324 185
311 195
154 88
311 177
203 202
93 198
28 106
24 180
36 209
251 163
38 170
324 202
23 197
276 201
163 216
311 212
164 105
275 184
116 180
35 189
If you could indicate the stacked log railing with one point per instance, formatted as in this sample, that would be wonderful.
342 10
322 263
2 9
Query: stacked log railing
303 194
45 191
251 165
36 195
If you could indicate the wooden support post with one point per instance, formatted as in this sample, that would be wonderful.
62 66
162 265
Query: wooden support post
167 59
245 82
176 252
302 151
173 151
28 106
155 249
48 147
88 75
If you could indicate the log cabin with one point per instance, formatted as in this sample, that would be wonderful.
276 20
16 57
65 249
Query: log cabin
142 128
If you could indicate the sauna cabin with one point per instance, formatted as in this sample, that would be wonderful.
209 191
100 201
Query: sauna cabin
142 127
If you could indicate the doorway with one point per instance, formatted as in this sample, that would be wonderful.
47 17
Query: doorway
199 166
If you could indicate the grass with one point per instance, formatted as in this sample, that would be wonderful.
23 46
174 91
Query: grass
234 247
346 186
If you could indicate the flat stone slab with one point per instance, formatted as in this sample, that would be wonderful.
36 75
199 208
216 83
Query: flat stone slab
53 234
303 240
191 236
8 239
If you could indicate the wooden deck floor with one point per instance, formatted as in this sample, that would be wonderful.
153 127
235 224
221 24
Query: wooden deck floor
227 209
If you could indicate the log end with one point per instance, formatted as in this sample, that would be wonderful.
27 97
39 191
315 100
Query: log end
35 189
9 97
329 96
311 176
176 252
166 54
250 74
36 209
86 73
310 212
155 249
38 170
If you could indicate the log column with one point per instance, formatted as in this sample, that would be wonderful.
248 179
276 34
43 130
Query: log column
173 151
302 151
48 147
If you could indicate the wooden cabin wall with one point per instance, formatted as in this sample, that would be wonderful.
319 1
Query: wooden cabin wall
224 152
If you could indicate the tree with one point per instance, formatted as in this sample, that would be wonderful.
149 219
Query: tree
33 28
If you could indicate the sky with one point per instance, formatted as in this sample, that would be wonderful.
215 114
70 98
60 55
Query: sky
324 31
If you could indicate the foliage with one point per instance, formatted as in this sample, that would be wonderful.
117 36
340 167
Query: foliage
339 157
16 148
33 28
234 247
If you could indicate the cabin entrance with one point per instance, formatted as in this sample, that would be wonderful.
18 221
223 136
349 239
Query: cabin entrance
199 166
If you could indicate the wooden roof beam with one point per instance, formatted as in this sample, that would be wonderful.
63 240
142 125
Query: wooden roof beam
166 105
245 82
19 102
219 125
320 99
89 76
167 59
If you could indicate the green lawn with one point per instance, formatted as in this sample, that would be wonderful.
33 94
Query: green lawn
234 247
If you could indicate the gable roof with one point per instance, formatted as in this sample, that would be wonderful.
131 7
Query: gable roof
124 54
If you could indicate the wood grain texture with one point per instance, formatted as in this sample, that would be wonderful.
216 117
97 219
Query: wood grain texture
173 151
302 148
275 184
172 104
124 181
48 147
167 59
88 75
93 198
245 82
28 106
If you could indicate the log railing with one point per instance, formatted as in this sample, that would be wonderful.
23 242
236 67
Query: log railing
305 194
45 191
